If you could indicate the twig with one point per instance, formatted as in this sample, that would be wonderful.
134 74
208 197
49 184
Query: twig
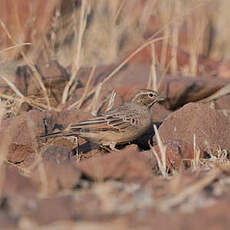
81 100
13 87
15 46
111 101
76 64
161 161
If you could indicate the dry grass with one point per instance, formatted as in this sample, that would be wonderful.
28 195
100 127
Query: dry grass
193 17
189 191
29 63
161 160
106 32
177 23
73 32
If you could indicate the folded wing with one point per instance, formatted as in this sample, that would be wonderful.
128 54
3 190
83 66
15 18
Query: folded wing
110 121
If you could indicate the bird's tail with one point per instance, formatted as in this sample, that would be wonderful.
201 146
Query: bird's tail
56 134
61 133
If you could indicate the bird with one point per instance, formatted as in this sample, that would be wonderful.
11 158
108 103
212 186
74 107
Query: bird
119 125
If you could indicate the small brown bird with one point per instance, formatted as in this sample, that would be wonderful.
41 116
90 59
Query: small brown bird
120 125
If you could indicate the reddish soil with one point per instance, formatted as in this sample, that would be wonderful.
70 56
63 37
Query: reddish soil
46 184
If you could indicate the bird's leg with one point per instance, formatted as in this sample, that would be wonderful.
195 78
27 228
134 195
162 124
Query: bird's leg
76 149
105 148
77 145
112 146
108 148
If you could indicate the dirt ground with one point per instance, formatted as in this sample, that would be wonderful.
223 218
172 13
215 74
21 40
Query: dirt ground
177 177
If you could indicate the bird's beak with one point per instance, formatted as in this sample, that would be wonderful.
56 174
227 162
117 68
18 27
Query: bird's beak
160 98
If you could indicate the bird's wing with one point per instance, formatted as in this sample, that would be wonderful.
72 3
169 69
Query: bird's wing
110 121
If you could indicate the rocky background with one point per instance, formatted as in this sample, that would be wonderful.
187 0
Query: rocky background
61 62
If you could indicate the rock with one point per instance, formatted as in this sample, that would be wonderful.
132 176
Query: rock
19 134
55 172
224 69
125 164
178 154
55 153
222 102
49 210
16 185
159 113
210 127
182 90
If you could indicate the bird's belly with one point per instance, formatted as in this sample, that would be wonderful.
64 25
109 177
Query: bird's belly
131 135
108 137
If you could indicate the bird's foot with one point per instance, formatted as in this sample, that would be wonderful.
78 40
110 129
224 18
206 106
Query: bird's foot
112 146
105 148
75 151
108 148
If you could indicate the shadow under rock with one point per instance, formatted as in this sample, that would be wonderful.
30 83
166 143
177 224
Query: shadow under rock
85 148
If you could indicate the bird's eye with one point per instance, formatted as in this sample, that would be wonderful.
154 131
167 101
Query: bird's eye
151 95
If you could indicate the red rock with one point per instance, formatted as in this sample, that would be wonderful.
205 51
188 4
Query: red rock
20 133
49 210
222 102
178 153
59 171
125 164
182 90
209 126
224 69
16 185
159 113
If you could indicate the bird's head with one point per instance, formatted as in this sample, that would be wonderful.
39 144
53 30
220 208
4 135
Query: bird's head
146 97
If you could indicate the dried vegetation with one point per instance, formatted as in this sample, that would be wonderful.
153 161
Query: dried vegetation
63 60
